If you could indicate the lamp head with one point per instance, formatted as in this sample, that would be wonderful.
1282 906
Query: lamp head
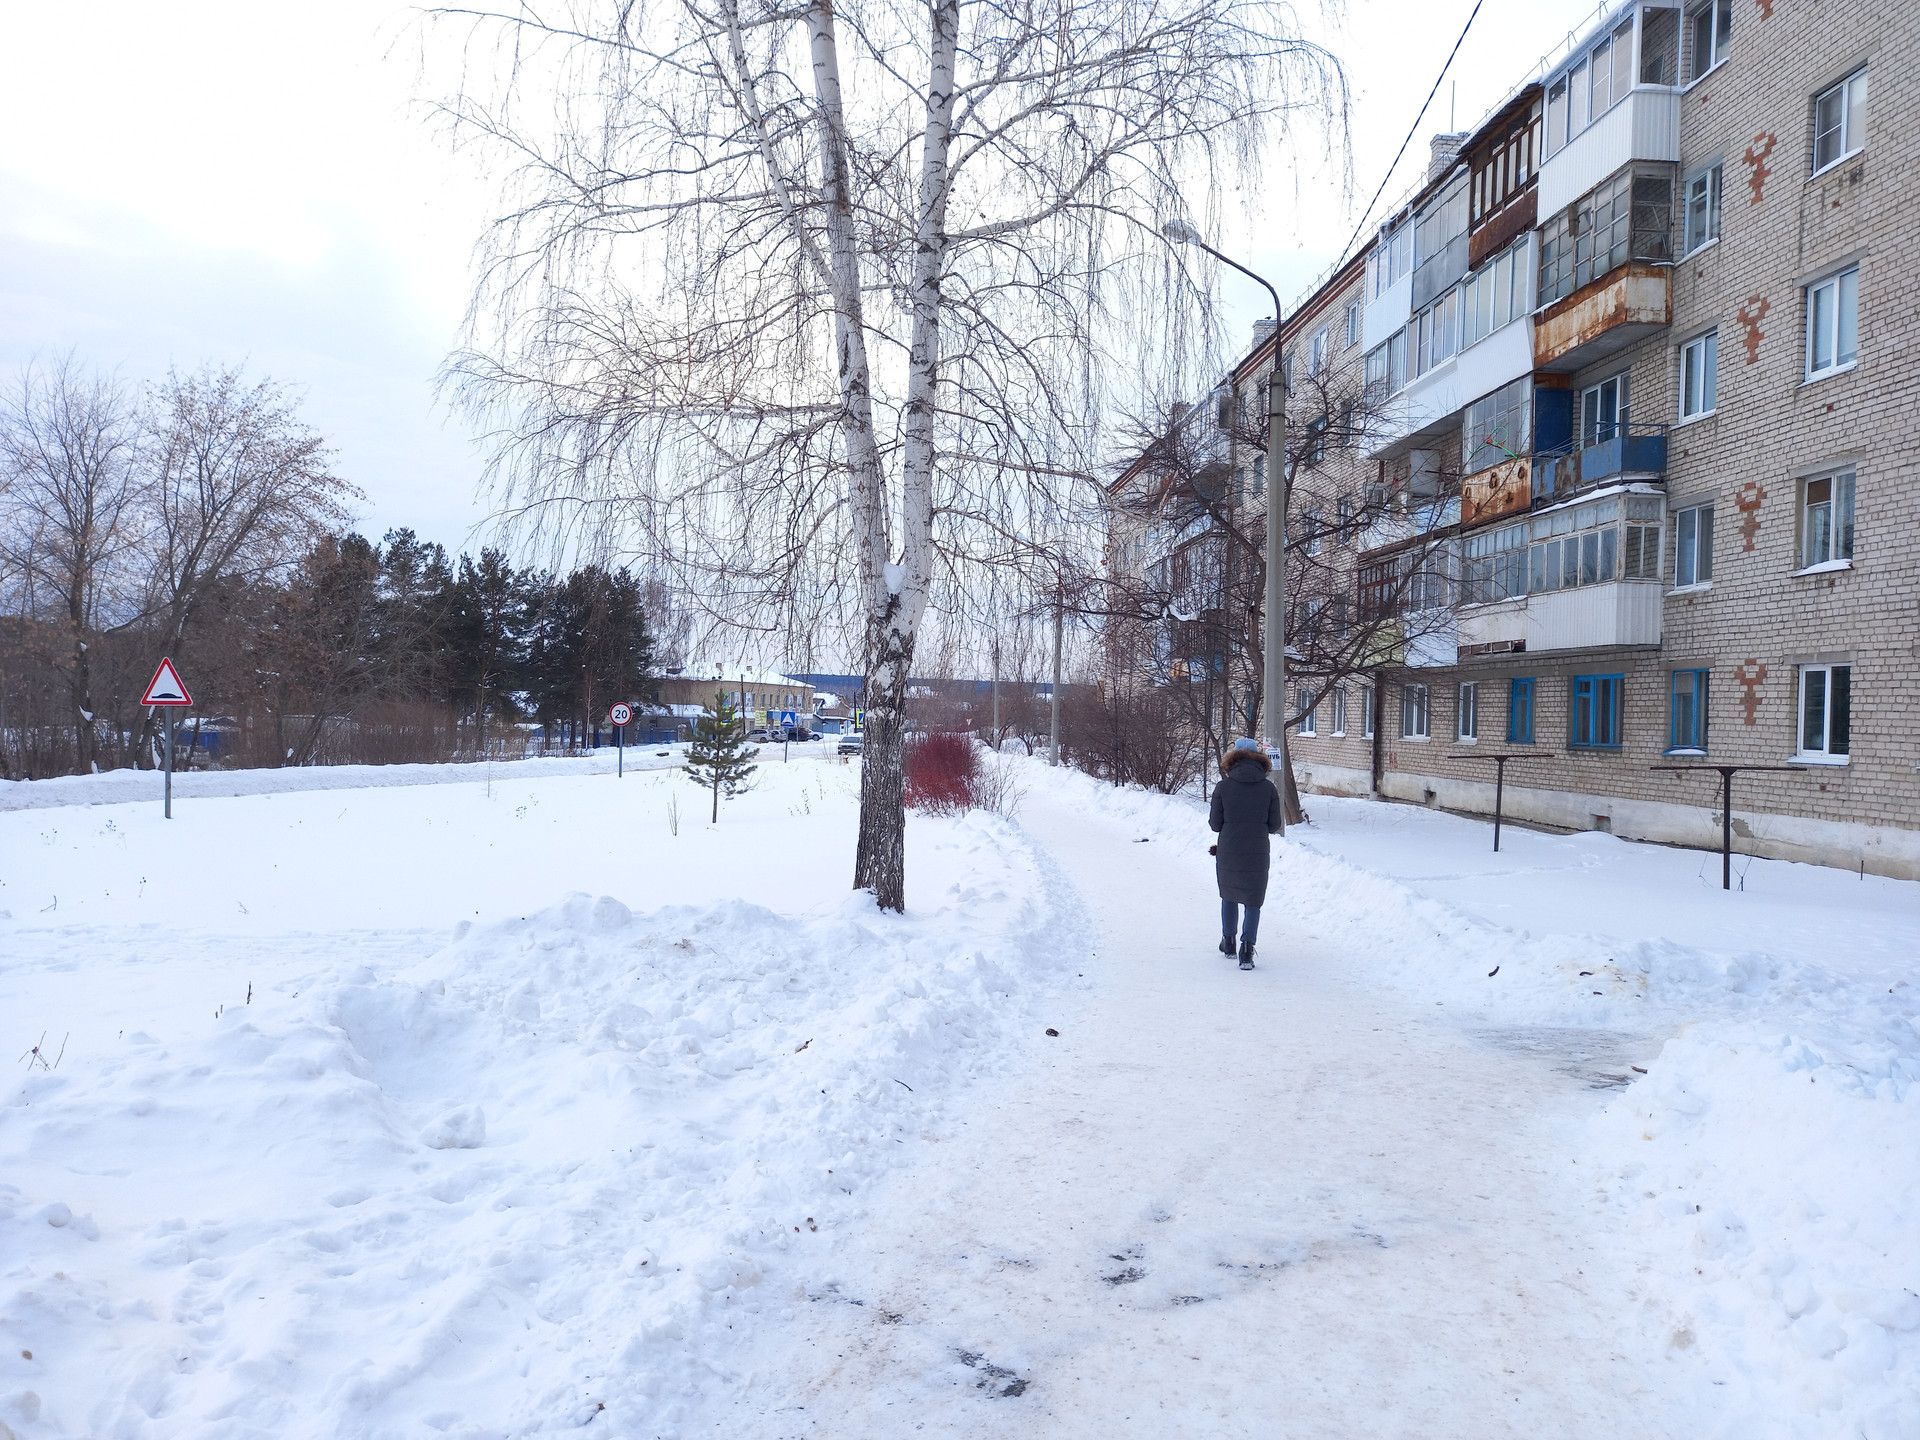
1179 231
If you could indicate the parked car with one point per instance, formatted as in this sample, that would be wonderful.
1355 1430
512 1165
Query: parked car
854 744
759 736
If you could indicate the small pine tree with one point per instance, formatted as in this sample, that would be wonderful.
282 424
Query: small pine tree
719 757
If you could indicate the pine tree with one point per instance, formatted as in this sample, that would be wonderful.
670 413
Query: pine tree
719 757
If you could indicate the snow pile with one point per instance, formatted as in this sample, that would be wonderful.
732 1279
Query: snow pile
1778 1169
1768 1151
548 1175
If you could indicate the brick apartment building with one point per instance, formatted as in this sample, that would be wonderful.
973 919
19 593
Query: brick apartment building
1632 478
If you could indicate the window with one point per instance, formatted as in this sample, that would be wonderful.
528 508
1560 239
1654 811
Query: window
1505 168
1840 121
1495 565
1414 717
1603 410
1339 701
1702 222
1391 259
1259 475
1387 365
1826 519
1833 323
1469 712
1597 81
1366 713
1699 375
1693 546
1496 294
1353 324
1313 530
1687 711
1595 712
1520 710
1640 552
1436 332
1499 426
1626 218
1316 441
1310 718
1826 725
1709 24
1317 350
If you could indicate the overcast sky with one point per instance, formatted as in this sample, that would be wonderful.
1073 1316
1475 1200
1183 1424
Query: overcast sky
253 181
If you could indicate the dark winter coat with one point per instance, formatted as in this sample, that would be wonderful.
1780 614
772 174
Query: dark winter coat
1245 811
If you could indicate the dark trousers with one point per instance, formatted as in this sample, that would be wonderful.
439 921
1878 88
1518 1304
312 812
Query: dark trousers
1230 922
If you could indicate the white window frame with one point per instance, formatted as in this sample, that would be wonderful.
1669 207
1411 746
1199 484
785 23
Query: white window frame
1850 93
1318 348
1366 712
1687 538
1339 711
1839 505
1824 754
1720 28
1699 376
1708 182
1826 302
1467 713
1416 706
1353 323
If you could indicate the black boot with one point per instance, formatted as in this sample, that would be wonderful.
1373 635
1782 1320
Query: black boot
1246 955
1226 944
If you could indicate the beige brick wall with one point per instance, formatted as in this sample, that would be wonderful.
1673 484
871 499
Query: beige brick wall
1769 429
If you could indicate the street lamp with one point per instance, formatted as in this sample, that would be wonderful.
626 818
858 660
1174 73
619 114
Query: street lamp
1274 682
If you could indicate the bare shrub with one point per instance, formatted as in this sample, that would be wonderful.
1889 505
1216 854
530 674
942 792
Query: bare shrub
942 770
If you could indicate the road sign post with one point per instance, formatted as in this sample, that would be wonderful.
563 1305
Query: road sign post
167 691
619 715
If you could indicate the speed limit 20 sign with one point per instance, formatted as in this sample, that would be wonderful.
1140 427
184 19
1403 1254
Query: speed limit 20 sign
620 714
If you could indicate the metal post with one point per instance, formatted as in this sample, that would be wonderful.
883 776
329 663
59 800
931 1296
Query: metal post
1499 796
620 744
1276 598
167 801
1726 827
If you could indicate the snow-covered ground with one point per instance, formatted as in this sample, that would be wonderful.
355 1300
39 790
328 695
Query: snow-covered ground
501 1104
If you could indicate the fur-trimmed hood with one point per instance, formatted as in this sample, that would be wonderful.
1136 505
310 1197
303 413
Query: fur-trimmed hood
1232 757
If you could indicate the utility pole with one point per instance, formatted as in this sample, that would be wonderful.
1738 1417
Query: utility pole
1274 684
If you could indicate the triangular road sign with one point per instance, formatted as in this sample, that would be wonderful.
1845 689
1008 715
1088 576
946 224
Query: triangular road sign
166 687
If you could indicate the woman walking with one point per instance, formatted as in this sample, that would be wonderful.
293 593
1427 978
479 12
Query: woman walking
1245 811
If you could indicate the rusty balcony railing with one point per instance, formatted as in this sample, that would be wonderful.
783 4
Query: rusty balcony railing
1628 451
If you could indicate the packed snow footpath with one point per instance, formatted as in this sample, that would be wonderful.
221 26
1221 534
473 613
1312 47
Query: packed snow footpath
725 1152
1764 1150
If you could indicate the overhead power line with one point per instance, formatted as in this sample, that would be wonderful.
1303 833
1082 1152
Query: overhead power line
1412 130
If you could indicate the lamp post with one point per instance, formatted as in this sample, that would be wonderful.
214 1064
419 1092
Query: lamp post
1274 681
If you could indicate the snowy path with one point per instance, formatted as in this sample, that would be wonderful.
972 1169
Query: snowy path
1230 1204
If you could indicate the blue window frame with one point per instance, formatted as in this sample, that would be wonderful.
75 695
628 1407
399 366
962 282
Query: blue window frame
1594 712
1687 710
1520 710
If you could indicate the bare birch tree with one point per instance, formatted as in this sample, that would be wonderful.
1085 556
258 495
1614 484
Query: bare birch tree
769 267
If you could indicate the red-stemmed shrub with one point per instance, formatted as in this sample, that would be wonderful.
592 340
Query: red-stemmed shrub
941 770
